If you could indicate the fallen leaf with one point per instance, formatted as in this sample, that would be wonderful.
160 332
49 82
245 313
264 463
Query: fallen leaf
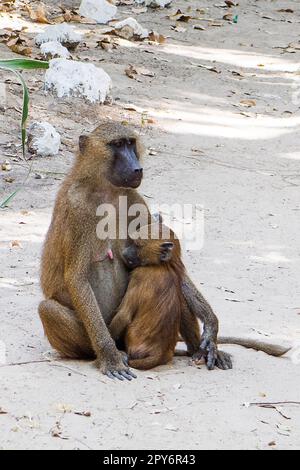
138 11
56 431
133 72
178 29
7 6
15 244
179 16
17 42
156 37
207 67
6 166
107 43
199 27
87 414
248 103
230 4
38 14
2 411
228 17
285 10
237 74
170 427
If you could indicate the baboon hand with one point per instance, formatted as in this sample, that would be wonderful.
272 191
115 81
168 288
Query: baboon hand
116 368
224 361
213 357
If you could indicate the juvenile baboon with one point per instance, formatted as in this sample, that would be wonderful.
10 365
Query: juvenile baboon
83 277
149 317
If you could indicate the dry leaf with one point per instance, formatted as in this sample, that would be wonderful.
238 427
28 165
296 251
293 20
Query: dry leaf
285 10
156 37
237 74
170 427
207 67
199 27
228 17
107 43
133 72
248 103
56 431
230 4
7 6
16 42
6 166
178 29
87 414
22 50
179 16
15 244
2 411
38 14
138 11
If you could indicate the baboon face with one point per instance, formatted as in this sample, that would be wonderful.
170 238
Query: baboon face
148 253
152 245
125 170
113 151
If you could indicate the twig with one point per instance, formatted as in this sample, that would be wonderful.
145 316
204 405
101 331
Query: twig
279 403
41 361
12 364
67 367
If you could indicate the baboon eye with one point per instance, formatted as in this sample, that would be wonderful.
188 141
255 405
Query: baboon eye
116 143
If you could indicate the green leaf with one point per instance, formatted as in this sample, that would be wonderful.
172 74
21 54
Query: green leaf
14 65
9 199
20 64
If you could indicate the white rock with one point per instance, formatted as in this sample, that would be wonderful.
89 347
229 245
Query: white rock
154 3
98 10
71 78
54 49
137 29
62 33
43 139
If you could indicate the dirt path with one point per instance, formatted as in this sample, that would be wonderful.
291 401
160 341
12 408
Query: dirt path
242 165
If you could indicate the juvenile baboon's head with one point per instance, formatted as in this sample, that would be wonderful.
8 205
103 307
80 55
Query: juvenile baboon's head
113 151
152 245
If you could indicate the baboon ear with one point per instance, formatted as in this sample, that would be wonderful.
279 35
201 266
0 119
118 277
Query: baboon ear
82 142
166 249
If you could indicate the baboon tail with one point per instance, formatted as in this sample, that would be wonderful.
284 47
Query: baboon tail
271 348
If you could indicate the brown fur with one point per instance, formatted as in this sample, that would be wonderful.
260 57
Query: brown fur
82 287
76 286
151 311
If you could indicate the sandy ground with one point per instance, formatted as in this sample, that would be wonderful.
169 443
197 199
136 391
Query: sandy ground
242 165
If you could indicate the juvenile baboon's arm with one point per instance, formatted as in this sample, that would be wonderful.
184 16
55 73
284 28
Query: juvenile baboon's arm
190 330
125 314
209 339
201 308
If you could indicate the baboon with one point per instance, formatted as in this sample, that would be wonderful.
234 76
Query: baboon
83 277
150 314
